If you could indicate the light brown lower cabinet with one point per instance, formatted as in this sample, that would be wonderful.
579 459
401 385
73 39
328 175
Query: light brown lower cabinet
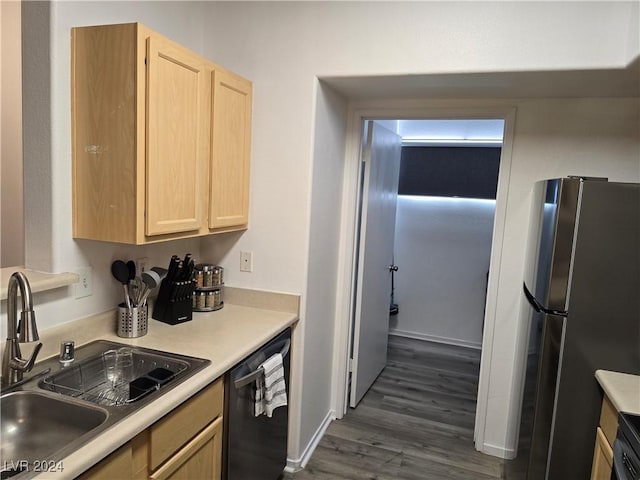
602 458
200 458
605 436
117 465
184 444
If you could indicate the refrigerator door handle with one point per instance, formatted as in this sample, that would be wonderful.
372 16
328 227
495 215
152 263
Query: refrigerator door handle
537 306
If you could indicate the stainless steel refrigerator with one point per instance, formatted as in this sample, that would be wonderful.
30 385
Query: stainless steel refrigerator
583 284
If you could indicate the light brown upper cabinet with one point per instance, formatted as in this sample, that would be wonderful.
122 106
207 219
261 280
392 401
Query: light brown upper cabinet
161 139
231 143
175 137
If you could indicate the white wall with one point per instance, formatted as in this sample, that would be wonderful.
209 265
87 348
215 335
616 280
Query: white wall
442 249
634 32
12 217
283 47
552 138
47 149
323 253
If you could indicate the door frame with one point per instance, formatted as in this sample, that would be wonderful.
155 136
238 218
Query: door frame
347 265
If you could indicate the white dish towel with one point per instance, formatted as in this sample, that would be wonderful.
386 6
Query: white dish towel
271 390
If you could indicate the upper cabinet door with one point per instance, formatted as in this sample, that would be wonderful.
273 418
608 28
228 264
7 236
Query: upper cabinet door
104 142
176 142
149 164
230 151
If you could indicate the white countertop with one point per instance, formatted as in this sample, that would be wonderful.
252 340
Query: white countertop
225 337
622 389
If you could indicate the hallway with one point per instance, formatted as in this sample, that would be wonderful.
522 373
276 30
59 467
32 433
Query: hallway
415 423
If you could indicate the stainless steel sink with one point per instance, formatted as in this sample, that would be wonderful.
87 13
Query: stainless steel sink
62 408
34 425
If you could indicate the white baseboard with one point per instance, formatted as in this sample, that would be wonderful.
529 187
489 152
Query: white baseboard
500 452
299 464
435 338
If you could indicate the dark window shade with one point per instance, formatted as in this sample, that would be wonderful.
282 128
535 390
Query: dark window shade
470 172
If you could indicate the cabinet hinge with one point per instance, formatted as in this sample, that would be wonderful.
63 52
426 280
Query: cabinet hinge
350 365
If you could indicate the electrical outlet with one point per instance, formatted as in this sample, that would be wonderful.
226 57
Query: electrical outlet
246 261
141 265
84 287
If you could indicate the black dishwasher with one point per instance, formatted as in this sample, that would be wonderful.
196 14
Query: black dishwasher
626 448
255 448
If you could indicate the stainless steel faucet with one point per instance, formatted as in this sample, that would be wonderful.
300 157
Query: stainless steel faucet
13 365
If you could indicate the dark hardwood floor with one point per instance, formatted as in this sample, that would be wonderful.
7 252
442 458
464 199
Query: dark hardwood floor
416 422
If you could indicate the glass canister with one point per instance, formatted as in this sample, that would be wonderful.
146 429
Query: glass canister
204 275
199 299
208 275
217 276
214 299
208 295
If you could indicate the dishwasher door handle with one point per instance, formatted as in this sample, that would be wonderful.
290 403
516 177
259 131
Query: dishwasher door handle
253 376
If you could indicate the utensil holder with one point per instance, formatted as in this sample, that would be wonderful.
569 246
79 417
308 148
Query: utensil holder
132 322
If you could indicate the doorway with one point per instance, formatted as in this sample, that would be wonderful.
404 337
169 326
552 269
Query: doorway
344 332
444 226
427 205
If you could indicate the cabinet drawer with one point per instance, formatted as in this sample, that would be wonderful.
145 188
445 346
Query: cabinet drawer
200 458
173 431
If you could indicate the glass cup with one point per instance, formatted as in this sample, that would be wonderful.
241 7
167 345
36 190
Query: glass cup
119 365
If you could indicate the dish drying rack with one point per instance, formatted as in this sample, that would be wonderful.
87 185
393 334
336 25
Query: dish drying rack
95 380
